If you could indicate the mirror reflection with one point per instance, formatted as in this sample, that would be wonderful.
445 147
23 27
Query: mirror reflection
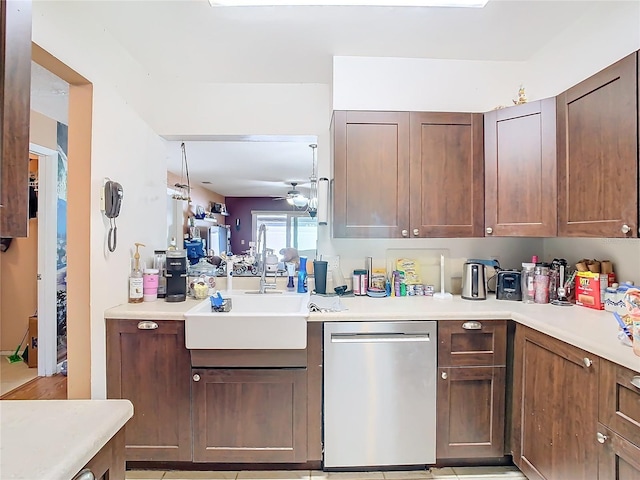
221 189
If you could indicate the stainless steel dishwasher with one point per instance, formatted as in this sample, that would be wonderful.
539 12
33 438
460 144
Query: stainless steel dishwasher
379 393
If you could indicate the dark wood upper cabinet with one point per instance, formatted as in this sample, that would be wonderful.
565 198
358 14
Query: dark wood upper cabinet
15 91
598 154
447 187
371 174
402 174
151 367
520 170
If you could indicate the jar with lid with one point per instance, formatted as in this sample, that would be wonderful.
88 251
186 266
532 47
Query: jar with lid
528 286
541 283
360 282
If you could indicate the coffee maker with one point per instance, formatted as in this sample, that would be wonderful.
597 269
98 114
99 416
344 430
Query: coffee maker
176 274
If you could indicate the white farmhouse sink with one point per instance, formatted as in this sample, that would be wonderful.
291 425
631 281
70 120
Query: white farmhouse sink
268 321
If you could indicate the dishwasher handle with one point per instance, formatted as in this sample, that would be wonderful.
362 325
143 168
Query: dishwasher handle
379 337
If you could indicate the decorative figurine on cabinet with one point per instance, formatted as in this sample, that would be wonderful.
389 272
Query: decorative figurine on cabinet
522 97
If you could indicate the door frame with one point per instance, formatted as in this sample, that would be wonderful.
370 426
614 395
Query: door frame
47 259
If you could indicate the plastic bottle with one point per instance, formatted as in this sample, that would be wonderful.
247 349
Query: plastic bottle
528 286
136 292
291 271
302 275
159 262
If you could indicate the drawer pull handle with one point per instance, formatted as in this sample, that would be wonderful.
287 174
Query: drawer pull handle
444 375
472 325
587 362
196 377
601 437
635 381
147 325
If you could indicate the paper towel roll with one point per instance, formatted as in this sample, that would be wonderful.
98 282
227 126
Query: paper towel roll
323 201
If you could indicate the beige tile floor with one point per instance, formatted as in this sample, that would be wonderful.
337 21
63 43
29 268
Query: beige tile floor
12 375
456 473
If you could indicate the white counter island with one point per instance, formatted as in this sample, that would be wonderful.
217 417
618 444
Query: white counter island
56 439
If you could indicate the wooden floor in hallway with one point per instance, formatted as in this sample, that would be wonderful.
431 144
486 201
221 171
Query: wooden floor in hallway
40 388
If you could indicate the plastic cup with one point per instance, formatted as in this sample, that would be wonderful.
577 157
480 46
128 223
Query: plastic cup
320 276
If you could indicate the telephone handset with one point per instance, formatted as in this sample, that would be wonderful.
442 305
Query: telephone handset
113 194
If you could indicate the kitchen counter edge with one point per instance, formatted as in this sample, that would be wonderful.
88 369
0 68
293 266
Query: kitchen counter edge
594 331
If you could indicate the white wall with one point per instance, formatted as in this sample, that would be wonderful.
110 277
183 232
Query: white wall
610 32
124 149
604 34
368 83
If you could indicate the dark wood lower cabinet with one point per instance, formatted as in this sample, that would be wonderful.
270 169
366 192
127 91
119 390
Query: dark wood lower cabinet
555 408
148 363
470 412
618 458
250 415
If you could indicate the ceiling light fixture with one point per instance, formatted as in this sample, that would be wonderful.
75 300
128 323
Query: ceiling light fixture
313 193
350 3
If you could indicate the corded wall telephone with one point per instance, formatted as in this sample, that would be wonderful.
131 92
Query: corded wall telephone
112 198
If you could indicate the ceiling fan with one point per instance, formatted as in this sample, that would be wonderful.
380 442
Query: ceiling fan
295 197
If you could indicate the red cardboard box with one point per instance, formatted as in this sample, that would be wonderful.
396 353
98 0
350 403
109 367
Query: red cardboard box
590 288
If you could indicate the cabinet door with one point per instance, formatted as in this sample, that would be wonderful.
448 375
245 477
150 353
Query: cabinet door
371 174
447 175
598 154
555 408
471 411
151 367
618 458
619 406
520 170
15 79
252 415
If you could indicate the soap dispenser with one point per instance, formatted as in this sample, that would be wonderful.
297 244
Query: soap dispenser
302 275
136 292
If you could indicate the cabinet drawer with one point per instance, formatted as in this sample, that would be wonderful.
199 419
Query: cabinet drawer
472 343
618 459
619 407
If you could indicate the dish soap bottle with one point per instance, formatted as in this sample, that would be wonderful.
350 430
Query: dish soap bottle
136 294
302 275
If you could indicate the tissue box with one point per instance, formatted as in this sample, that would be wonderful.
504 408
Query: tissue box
590 288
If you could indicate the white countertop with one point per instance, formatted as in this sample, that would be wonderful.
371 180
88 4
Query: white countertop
54 439
592 330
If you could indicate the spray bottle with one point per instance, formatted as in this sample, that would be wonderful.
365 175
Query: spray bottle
302 275
136 293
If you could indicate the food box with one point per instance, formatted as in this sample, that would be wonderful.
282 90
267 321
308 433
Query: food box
590 288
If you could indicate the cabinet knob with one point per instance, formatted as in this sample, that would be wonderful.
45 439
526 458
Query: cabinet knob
587 362
489 230
625 229
601 437
147 325
444 375
635 381
416 232
196 377
405 233
85 474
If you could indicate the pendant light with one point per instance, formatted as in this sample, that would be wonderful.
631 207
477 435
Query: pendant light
312 209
